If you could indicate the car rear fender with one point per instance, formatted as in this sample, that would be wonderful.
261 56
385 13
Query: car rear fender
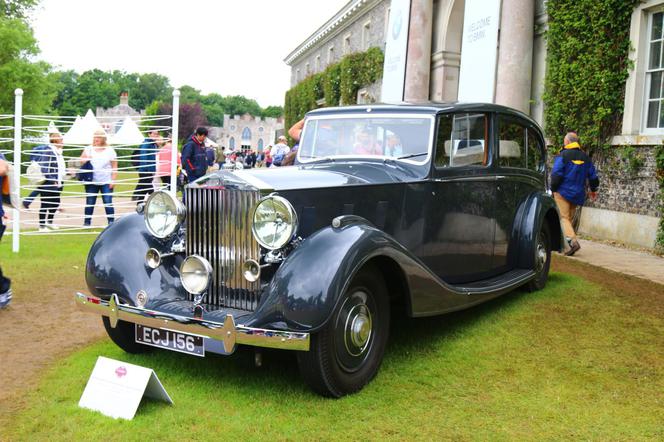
537 209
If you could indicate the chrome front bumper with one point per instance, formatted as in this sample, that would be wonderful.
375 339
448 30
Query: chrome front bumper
227 332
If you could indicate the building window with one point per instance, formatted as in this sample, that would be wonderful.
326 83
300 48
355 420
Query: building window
655 73
260 144
307 70
347 44
297 75
231 143
366 35
317 63
330 55
246 134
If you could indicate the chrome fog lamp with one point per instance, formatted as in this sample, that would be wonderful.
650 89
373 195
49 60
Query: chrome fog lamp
163 214
153 258
195 274
274 222
251 270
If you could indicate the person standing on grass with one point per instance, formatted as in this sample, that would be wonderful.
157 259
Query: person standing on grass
164 163
572 168
5 283
147 155
53 167
104 173
194 156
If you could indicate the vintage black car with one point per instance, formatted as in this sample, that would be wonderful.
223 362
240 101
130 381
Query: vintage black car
427 208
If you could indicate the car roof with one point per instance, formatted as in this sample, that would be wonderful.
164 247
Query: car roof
425 107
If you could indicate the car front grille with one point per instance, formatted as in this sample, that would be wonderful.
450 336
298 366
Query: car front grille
219 229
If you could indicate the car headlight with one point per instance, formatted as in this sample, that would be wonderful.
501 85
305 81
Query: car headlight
163 214
195 274
274 222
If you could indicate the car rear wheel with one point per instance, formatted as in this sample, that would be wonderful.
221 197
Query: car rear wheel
124 336
346 354
542 259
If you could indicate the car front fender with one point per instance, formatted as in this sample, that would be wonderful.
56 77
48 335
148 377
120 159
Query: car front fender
116 264
304 291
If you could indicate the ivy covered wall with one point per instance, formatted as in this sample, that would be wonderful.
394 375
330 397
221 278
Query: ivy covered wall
587 66
338 83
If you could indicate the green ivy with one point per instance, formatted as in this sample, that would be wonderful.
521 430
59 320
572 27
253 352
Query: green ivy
339 82
659 167
587 66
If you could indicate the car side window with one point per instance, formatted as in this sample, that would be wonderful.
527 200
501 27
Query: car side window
535 148
461 140
511 143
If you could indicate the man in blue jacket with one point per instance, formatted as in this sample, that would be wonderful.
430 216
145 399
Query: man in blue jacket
571 169
146 159
194 157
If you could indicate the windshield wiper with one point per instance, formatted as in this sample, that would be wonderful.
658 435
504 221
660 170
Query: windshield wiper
412 155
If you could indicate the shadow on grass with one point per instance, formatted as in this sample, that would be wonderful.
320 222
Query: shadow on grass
416 337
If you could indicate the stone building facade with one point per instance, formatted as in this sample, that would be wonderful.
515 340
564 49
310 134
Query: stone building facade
357 27
433 63
247 132
111 118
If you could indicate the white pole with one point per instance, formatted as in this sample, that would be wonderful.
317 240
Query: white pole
18 120
174 141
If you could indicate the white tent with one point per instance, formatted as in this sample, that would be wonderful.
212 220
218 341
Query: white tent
52 128
128 134
74 135
82 130
209 143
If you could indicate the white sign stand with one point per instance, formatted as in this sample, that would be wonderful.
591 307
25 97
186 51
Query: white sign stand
479 51
116 388
396 47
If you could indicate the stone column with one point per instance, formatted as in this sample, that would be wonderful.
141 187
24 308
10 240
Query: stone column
418 58
515 54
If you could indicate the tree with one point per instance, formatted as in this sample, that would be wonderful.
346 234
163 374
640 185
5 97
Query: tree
240 105
16 8
273 111
150 87
17 46
191 117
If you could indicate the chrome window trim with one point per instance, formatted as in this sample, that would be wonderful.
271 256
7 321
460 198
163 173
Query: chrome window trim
368 114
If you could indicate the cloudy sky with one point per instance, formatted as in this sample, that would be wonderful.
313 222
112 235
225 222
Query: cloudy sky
229 47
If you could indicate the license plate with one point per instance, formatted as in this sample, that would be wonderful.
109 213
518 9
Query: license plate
170 340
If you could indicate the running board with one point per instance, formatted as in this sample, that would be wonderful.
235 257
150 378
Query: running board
500 283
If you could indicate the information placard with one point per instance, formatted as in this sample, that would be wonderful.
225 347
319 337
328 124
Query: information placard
115 388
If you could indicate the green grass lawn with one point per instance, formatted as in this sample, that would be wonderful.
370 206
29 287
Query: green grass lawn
573 361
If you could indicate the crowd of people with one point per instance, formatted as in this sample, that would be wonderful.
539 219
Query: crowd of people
97 169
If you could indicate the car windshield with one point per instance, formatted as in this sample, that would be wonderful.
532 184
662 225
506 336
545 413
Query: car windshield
401 138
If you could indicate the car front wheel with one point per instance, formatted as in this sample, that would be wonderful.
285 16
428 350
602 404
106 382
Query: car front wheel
346 354
542 259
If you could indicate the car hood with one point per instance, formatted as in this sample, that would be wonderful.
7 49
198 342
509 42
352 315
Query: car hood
312 176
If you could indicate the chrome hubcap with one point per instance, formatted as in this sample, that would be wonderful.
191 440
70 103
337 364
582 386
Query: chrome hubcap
540 258
354 330
360 328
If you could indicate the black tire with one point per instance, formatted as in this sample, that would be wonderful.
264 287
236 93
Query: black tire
542 259
346 354
124 336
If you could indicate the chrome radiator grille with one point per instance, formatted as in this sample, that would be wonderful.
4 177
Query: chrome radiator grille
219 229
